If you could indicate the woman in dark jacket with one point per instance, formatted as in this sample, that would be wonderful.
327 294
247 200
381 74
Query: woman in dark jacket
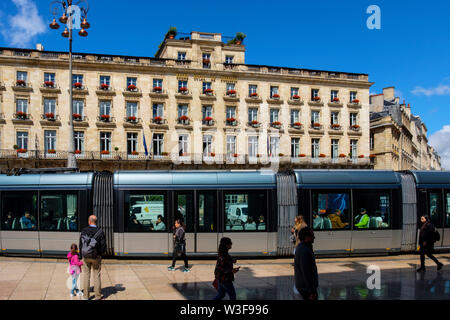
426 242
179 248
224 271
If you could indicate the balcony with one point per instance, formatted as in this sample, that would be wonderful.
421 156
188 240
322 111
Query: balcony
316 102
159 123
80 121
254 124
355 104
22 118
316 128
159 92
295 100
183 63
335 129
106 121
80 89
105 90
50 87
132 92
231 96
230 66
132 122
208 95
296 127
231 122
50 120
22 86
253 98
275 99
335 103
183 93
354 130
208 122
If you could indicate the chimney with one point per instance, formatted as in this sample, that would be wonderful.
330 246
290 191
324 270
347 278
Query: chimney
409 105
389 93
39 47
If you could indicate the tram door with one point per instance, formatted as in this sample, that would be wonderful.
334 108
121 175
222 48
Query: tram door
199 212
435 212
446 235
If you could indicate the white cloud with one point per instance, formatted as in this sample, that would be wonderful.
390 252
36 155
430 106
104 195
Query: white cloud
25 25
440 140
438 91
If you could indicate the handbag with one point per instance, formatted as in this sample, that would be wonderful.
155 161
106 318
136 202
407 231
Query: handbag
215 284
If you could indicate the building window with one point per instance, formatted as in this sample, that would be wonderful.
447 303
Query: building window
294 92
245 211
315 117
22 75
50 106
231 86
273 91
132 109
158 110
315 148
229 59
206 60
182 84
295 147
206 85
353 95
22 105
334 117
252 114
22 140
207 145
372 141
231 112
314 93
231 146
105 108
354 149
77 78
49 140
131 81
334 148
334 94
158 144
252 146
206 112
105 80
132 141
252 90
324 204
274 146
159 83
105 141
79 141
78 107
181 55
145 211
182 111
295 116
274 115
49 77
353 119
183 145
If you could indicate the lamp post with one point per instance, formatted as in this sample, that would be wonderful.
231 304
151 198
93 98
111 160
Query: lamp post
74 15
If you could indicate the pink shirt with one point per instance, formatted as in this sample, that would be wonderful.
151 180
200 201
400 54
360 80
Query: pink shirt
75 263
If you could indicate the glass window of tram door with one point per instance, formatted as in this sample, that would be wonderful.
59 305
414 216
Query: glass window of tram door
145 211
435 207
19 210
184 209
447 208
207 211
58 211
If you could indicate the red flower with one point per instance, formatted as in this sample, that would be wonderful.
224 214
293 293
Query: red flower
361 156
134 153
335 99
335 125
157 119
77 152
255 122
78 85
355 101
49 83
206 61
20 82
235 155
131 87
302 155
76 116
51 151
208 119
231 92
21 114
105 152
105 116
183 89
184 118
372 156
209 90
322 155
355 126
281 154
342 155
212 154
254 94
297 124
316 98
231 119
22 150
296 97
132 118
49 115
275 96
276 123
105 86
316 124
159 89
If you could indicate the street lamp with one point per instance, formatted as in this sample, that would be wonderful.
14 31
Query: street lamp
74 15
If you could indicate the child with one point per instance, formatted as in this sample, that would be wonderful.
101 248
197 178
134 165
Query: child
74 269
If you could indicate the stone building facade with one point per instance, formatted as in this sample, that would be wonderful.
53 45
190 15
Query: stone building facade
196 103
398 139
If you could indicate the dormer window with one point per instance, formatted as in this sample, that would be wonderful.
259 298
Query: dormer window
229 59
206 59
181 55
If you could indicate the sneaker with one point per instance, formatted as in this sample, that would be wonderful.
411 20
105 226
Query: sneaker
440 265
421 269
171 268
72 295
80 294
186 270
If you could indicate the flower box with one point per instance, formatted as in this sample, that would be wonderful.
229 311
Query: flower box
302 155
361 156
132 87
135 153
183 90
296 124
51 151
208 91
206 61
50 84
231 92
231 119
276 124
22 150
104 152
184 118
76 116
276 96
235 155
157 119
254 123
159 89
132 119
355 126
336 126
212 154
316 99
77 152
164 153
104 86
335 99
342 155
254 94
21 83
105 117
356 101
295 97
78 85
21 115
50 115
316 125
322 155
372 156
281 154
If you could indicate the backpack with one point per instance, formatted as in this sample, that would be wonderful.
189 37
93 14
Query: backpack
89 245
436 235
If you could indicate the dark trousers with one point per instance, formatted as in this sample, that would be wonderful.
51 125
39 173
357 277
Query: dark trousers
182 255
428 251
224 288
305 294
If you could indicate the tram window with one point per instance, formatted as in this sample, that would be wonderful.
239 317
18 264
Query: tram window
185 209
145 212
207 211
435 208
447 209
330 210
19 210
58 212
246 211
372 209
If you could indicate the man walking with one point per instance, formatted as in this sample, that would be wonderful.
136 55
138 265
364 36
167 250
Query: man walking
92 247
306 277
427 238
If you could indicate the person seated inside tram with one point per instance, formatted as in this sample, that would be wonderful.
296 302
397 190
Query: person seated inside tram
317 221
250 225
46 221
27 221
160 226
378 219
434 218
262 223
73 223
134 224
364 220
336 221
8 223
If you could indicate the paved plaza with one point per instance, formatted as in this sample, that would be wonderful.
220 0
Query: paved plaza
339 279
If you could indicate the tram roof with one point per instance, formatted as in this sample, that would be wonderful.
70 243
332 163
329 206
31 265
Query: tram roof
194 178
353 178
436 179
63 180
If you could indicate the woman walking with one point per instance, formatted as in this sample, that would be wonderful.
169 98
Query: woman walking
179 249
224 272
426 242
299 224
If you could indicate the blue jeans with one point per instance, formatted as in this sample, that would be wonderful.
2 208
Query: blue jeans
74 283
226 287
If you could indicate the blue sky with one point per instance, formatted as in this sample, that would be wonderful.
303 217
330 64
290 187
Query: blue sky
411 51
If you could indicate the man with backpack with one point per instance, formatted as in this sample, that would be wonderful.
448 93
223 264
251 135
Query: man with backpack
427 237
92 247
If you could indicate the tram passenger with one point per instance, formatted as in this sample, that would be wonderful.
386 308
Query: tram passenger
134 224
378 219
317 222
8 223
427 238
46 222
305 268
160 226
262 223
27 221
73 223
336 221
250 225
364 220
224 271
179 248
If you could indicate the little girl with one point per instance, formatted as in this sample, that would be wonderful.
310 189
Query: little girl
74 269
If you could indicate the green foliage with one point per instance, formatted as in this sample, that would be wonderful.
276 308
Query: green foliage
172 31
240 36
